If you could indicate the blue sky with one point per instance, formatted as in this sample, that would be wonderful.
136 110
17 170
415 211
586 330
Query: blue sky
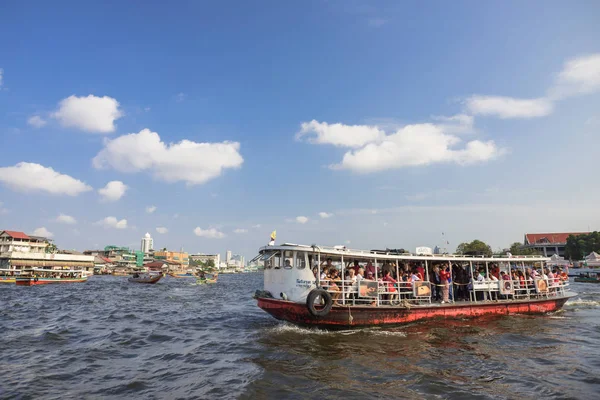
397 120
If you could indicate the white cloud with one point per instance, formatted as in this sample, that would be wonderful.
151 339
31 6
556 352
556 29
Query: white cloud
113 191
579 76
323 215
36 121
460 123
66 219
42 232
377 22
1 76
2 209
162 229
31 177
240 230
211 233
509 107
112 222
90 114
191 162
256 226
339 134
417 145
180 97
301 219
150 209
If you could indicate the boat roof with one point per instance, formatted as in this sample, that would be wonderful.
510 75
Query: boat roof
339 251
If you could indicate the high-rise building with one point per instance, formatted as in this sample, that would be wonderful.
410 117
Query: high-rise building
147 243
228 257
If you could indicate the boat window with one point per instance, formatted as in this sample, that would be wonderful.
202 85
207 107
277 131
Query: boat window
276 260
267 256
301 259
289 259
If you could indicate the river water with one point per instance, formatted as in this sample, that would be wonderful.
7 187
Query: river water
111 339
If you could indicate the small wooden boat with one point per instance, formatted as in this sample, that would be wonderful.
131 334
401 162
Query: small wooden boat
207 278
145 278
181 275
588 277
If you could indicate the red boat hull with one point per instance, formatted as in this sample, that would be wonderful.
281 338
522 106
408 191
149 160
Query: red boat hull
364 316
46 281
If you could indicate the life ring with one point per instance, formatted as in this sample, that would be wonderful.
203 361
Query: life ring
310 302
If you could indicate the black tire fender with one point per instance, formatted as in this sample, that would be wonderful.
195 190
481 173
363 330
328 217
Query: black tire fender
35 279
310 302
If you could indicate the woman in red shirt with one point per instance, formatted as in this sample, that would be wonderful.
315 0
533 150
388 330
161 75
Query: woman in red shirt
391 284
444 277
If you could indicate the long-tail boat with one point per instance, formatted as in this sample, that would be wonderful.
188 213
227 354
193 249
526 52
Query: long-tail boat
40 276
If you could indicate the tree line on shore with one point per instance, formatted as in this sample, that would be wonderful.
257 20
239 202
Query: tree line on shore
577 247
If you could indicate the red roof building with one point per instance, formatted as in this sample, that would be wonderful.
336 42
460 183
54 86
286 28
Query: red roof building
549 244
16 235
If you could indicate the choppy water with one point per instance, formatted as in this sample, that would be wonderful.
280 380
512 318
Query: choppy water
108 338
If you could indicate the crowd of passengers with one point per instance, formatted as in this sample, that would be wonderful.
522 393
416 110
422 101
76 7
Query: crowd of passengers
448 283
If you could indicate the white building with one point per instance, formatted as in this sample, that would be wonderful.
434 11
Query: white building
228 257
204 258
147 243
20 242
20 251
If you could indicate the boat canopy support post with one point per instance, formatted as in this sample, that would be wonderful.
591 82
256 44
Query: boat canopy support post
319 269
377 280
473 294
343 282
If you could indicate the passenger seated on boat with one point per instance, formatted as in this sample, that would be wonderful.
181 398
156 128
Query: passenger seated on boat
415 276
351 284
315 271
334 279
288 264
370 268
360 274
564 277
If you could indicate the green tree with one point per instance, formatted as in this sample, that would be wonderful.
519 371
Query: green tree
579 246
516 249
476 246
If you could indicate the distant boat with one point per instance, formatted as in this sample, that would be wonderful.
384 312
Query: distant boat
35 276
187 274
588 277
8 275
207 278
145 278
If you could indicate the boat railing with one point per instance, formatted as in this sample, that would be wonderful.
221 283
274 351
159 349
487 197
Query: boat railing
348 292
516 289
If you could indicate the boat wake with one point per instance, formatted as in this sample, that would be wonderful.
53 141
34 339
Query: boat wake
581 302
286 328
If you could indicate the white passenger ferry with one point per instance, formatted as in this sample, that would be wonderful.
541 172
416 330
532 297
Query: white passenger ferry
309 285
